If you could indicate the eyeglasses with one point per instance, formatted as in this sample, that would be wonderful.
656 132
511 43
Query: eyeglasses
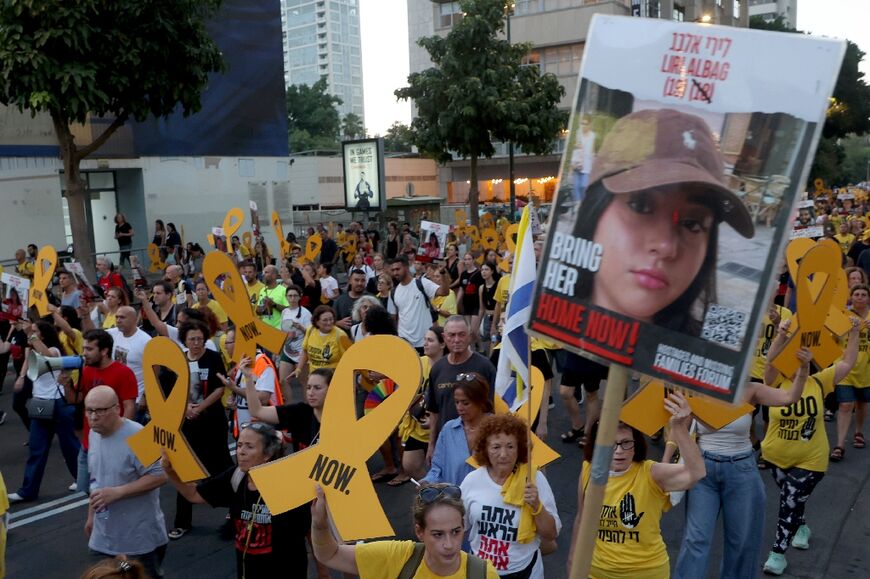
466 377
195 339
99 411
430 494
625 445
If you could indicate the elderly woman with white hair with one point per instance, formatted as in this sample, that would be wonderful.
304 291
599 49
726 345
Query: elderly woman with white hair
362 305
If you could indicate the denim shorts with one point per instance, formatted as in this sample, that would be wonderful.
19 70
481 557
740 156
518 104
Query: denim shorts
846 394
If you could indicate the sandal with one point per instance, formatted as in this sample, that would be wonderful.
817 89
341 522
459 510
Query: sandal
572 435
384 476
581 442
838 454
177 533
762 464
858 441
397 482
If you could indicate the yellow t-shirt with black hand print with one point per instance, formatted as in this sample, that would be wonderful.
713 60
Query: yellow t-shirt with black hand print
796 435
630 540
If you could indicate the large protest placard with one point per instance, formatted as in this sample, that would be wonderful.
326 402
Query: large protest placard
433 241
686 149
364 182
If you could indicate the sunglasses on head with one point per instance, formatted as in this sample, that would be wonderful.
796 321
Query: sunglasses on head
466 377
431 494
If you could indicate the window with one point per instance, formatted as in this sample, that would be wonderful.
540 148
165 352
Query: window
679 13
303 57
300 16
450 14
736 8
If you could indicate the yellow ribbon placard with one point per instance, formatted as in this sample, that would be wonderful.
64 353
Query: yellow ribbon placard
814 301
250 330
487 221
279 233
461 220
248 241
229 227
489 238
312 248
43 270
167 413
645 410
155 264
837 320
510 240
338 461
540 454
350 248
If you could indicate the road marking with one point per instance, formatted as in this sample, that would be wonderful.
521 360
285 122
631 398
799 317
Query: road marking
44 506
45 515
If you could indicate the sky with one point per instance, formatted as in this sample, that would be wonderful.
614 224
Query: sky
384 29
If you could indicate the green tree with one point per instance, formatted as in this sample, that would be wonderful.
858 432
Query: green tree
313 120
352 126
399 138
121 59
478 91
856 162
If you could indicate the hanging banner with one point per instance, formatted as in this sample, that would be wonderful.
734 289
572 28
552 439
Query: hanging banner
666 230
364 182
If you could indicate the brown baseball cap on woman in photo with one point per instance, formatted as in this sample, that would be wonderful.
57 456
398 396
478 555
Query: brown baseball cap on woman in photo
655 148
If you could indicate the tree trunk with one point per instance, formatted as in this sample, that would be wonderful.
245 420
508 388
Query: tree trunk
473 193
76 196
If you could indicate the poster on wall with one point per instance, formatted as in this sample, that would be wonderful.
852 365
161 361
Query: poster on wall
433 241
687 147
364 182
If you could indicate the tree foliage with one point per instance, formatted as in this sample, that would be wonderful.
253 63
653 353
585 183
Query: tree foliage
123 59
313 120
478 92
399 138
352 126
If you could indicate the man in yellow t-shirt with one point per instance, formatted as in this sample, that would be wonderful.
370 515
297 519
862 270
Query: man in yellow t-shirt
252 284
23 267
844 238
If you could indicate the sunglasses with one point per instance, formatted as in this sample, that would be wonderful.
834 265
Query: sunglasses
431 494
258 426
466 377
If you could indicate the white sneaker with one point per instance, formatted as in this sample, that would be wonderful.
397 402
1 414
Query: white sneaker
73 487
15 498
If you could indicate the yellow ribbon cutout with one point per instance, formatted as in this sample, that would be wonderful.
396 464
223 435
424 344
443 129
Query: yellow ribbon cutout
43 271
229 227
814 300
248 241
645 410
167 413
487 221
510 235
250 330
279 233
461 220
312 249
155 264
338 461
351 249
540 454
489 238
837 320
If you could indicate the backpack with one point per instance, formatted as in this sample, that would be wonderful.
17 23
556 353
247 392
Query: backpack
432 311
474 569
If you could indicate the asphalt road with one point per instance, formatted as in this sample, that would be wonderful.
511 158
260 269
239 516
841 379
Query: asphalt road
46 540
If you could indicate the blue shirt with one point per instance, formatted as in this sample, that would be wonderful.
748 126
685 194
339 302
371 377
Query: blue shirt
451 452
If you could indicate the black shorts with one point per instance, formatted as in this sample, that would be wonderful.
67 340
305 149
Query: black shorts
580 371
413 444
541 361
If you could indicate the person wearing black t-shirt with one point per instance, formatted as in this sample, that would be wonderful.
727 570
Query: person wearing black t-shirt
205 424
124 235
468 296
266 544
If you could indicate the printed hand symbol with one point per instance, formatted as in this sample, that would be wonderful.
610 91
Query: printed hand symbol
809 428
630 520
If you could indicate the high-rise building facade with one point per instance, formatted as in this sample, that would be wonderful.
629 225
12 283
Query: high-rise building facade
322 38
557 31
770 9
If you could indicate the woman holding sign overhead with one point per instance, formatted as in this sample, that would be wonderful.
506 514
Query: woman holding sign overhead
652 212
629 543
796 445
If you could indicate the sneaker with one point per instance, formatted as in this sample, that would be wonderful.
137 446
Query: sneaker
551 404
73 487
178 533
15 498
775 564
801 539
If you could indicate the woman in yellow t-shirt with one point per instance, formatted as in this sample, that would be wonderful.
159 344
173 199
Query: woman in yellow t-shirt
439 516
115 298
204 301
797 446
324 342
629 542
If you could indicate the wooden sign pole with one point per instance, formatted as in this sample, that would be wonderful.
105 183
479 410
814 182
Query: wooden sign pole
593 498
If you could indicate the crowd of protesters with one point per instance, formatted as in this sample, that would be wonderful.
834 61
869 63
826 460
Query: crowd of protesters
449 304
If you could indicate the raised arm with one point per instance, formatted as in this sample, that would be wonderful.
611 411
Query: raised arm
267 414
326 549
680 477
764 394
850 355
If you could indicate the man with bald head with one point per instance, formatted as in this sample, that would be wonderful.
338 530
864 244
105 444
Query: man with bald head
272 299
183 288
124 515
129 346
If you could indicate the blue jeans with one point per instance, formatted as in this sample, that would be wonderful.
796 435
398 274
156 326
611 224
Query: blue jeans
83 478
732 487
41 434
578 186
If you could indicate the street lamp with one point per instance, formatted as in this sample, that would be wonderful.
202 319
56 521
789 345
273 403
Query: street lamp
509 10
